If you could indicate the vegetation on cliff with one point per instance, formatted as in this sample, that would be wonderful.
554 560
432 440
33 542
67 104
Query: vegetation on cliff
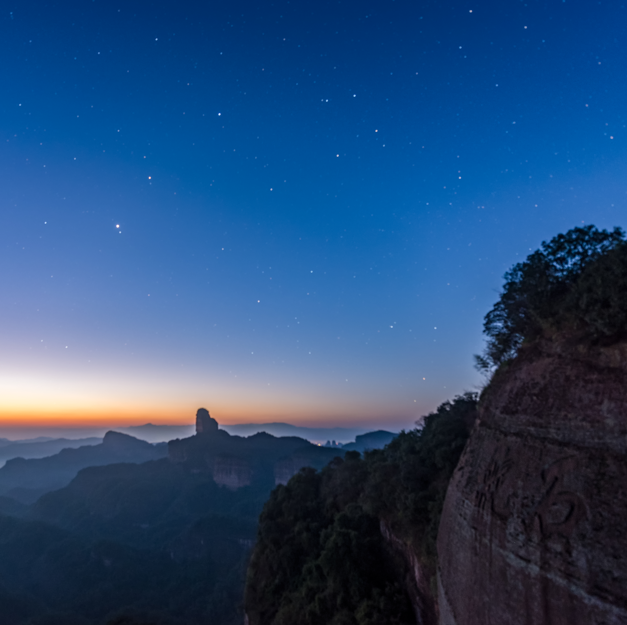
577 281
325 541
321 556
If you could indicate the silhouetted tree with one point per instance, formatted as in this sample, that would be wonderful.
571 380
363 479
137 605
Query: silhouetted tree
569 279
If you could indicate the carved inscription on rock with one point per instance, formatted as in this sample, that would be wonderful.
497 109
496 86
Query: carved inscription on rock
553 507
560 509
494 492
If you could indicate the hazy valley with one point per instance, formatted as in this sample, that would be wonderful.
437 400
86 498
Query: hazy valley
79 530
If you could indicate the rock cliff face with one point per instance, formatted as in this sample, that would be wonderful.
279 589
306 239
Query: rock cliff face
286 468
205 424
231 471
311 456
235 461
533 526
416 581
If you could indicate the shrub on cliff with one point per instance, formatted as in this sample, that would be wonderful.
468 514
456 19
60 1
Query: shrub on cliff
576 280
320 555
407 480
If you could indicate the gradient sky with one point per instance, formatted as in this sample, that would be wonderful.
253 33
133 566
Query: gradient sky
295 211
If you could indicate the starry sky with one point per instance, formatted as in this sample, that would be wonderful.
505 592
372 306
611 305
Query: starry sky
286 211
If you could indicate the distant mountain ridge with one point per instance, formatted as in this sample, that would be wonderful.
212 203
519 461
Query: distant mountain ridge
41 447
39 465
162 433
38 439
370 440
164 541
286 429
26 480
236 461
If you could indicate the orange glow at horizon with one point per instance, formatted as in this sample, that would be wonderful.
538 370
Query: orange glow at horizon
85 418
31 401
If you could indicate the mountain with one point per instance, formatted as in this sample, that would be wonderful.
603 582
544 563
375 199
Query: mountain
162 542
316 435
12 507
26 480
163 433
178 575
235 461
38 439
159 433
37 448
533 526
370 440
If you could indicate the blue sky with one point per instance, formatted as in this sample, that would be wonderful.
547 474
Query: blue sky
286 211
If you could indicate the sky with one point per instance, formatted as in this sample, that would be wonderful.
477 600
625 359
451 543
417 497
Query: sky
286 211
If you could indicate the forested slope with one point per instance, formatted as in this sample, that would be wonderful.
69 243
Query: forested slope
340 546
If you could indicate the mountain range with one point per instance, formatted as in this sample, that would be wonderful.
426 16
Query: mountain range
164 541
40 447
25 480
163 433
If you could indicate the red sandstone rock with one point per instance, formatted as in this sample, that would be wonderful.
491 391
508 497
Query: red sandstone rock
204 423
534 527
231 472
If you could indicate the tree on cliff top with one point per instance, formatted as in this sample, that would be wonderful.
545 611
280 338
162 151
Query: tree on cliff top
577 279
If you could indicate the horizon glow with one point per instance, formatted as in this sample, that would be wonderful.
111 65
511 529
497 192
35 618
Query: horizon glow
288 213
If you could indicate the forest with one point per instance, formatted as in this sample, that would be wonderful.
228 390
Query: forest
321 556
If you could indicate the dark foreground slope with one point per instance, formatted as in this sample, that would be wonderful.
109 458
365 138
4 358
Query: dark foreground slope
354 544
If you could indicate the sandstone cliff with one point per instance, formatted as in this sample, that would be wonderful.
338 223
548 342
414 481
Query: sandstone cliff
533 526
236 461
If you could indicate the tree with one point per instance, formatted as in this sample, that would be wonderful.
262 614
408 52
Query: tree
542 291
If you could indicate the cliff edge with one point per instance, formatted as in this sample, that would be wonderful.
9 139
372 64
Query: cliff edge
533 525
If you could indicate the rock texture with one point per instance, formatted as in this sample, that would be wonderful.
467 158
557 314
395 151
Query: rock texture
231 471
312 456
235 461
204 423
286 468
417 579
533 529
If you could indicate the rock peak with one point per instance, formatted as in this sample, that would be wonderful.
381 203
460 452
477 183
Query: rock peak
204 423
120 441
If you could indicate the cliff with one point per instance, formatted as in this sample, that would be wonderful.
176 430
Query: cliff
532 529
235 461
370 440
